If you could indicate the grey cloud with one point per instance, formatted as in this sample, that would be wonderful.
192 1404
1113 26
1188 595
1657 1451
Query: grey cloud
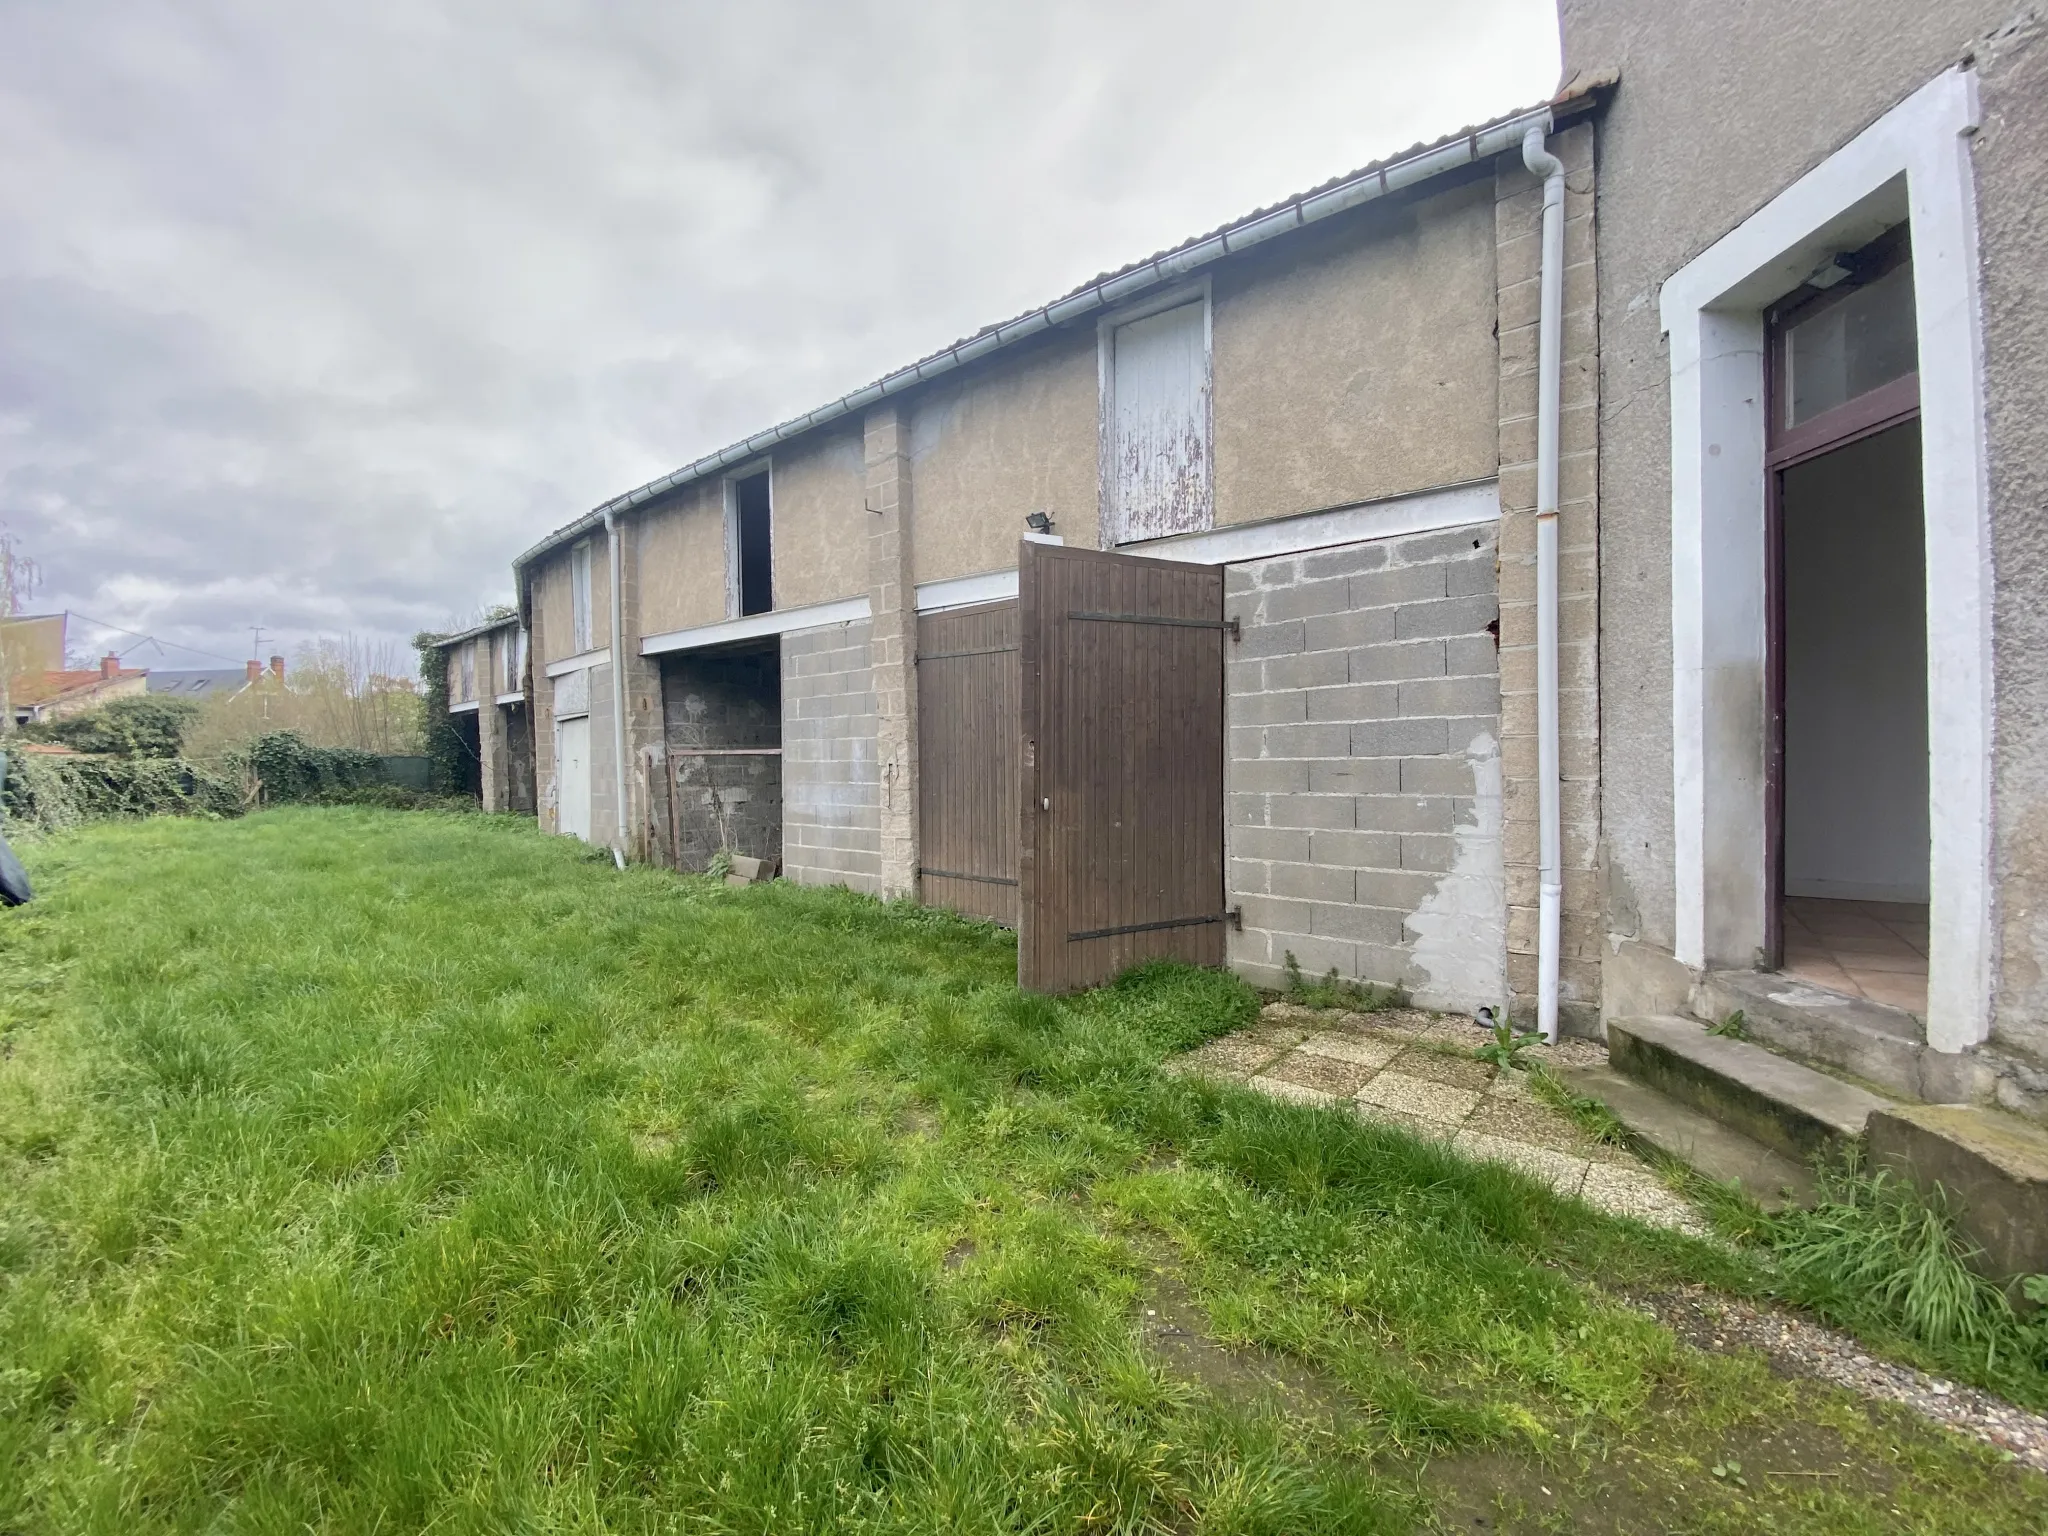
314 315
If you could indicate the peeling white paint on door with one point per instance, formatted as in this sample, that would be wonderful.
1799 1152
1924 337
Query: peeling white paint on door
1156 469
1460 951
572 777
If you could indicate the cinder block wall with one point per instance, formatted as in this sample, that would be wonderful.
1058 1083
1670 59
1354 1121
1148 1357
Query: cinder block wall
1362 772
831 789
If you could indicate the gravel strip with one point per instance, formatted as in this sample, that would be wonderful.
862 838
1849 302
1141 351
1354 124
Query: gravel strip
1806 1349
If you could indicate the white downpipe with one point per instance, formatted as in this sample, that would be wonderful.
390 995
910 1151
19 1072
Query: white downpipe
1549 332
618 607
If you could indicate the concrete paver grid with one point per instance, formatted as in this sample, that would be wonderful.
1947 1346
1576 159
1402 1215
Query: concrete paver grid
1400 1068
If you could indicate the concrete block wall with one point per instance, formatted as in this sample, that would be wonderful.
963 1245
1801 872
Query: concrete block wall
1518 223
1362 771
831 783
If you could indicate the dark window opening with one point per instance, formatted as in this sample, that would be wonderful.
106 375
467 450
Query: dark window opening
757 588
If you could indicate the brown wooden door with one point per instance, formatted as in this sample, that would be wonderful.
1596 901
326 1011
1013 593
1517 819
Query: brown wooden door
1121 841
967 747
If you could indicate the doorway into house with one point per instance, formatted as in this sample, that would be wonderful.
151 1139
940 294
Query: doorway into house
1848 791
722 724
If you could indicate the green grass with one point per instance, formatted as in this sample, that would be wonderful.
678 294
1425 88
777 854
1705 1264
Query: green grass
364 1171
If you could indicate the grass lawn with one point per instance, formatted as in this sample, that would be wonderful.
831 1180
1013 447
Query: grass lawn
367 1171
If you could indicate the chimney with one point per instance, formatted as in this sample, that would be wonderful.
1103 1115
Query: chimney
110 666
277 669
255 668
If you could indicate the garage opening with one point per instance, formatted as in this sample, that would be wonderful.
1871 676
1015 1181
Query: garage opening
469 759
1850 624
519 766
722 725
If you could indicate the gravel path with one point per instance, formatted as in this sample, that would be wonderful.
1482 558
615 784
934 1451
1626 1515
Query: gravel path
1798 1347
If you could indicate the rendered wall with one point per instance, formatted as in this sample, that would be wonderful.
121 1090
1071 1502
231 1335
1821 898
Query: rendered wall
1363 778
1719 109
991 445
554 627
1357 359
681 555
819 536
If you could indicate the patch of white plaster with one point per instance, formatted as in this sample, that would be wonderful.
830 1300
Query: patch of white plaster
1459 956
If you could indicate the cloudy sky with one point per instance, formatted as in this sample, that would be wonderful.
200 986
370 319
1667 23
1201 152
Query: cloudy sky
312 315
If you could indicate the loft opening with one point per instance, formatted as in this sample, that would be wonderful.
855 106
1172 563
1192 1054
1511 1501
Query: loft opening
750 545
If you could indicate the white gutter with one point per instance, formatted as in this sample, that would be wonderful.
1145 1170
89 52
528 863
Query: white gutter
618 653
1549 331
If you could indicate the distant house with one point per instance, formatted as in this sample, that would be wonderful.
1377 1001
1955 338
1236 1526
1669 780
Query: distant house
204 685
51 695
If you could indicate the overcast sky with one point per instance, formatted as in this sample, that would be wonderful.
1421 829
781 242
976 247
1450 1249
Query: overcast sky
313 315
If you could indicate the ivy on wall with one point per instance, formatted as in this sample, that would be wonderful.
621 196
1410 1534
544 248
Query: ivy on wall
446 754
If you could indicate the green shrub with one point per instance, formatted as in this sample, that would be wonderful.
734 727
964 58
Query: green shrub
142 726
288 768
52 794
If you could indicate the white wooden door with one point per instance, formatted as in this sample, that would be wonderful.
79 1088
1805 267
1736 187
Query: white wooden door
572 777
1157 470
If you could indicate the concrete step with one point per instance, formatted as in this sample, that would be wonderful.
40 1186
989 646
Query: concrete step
1697 1140
1993 1166
1880 1045
1788 1107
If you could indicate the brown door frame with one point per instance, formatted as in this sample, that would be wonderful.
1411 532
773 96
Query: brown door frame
1870 413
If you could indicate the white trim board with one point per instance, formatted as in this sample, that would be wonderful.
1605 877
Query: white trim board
1913 162
777 621
468 708
579 663
510 698
1457 506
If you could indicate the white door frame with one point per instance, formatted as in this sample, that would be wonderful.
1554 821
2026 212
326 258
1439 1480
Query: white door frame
1913 162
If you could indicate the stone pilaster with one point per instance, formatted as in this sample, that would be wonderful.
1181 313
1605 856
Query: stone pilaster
493 750
646 752
892 645
1518 226
540 701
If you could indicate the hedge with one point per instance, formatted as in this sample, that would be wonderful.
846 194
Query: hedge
49 793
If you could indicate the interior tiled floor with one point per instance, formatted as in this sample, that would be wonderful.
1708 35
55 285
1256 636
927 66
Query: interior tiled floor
1871 949
1414 1070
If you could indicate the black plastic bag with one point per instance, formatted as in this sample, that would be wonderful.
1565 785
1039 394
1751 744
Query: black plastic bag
13 878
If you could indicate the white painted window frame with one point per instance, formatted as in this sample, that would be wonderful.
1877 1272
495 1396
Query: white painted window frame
1913 162
730 487
1105 373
